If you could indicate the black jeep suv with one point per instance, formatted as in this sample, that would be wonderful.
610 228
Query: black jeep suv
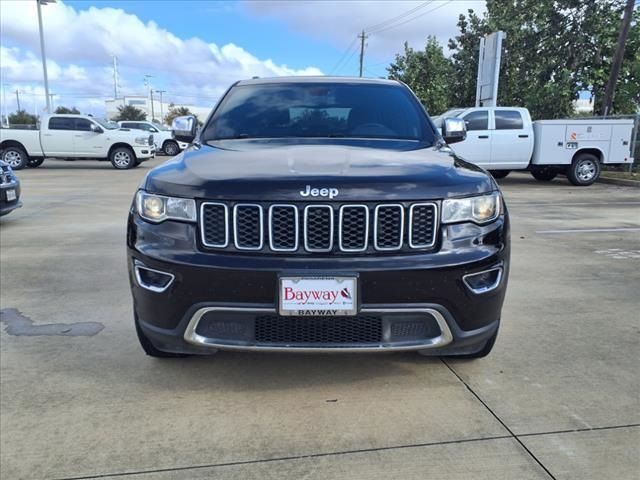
318 214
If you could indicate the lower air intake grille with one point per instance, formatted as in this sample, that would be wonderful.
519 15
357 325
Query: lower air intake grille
312 330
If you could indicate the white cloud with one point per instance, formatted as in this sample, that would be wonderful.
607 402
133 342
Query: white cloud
340 21
80 44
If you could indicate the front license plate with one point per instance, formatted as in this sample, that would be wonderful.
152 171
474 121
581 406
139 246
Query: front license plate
318 296
11 195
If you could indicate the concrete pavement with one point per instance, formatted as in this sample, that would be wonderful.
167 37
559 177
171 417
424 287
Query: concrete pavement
557 398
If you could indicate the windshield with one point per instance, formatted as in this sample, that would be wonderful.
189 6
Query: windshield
108 124
319 110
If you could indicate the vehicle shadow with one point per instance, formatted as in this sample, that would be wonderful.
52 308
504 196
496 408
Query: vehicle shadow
240 371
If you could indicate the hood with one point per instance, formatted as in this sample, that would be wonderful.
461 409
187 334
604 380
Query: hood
250 170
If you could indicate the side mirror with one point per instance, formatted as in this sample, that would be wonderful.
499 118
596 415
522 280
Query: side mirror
185 128
95 128
153 130
454 130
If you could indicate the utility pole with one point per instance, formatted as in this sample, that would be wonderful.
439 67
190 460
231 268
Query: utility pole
617 58
153 115
161 107
115 77
18 99
362 38
42 51
50 102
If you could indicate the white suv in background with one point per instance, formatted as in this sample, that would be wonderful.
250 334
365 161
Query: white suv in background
163 137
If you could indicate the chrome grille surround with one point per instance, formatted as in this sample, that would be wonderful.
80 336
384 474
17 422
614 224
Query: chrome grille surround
329 246
239 209
376 227
341 232
296 229
203 230
306 228
433 225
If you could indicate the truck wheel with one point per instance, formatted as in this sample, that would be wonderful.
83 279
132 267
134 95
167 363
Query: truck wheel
149 348
584 170
122 158
35 162
16 157
499 173
170 148
544 174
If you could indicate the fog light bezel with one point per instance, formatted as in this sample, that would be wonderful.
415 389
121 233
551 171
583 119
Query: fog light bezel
152 288
486 288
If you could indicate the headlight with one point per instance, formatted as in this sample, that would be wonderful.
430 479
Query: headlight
142 140
158 208
480 209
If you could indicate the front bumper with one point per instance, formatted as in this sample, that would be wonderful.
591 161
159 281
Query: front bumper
7 206
144 152
425 292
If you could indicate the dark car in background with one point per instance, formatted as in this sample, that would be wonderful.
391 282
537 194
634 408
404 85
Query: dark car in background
9 190
318 215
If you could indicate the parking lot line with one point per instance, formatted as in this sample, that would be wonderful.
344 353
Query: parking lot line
590 230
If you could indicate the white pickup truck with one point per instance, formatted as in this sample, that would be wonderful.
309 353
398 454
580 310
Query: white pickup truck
74 137
502 139
163 137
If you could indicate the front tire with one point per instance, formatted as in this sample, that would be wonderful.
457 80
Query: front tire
122 158
170 148
584 170
150 349
497 174
544 174
16 157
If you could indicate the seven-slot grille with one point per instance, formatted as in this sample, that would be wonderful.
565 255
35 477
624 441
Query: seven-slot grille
318 228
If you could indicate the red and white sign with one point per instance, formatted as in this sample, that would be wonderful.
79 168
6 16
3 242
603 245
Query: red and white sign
318 296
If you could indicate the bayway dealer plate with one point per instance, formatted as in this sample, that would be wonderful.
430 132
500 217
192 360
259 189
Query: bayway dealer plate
318 296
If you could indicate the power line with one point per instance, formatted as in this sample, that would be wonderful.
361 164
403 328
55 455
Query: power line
348 60
371 28
413 18
344 55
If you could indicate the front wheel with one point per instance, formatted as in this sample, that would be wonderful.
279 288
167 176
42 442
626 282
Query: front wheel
544 174
122 158
584 170
170 148
16 157
35 162
497 174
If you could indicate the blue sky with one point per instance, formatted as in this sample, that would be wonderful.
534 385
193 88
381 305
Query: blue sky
195 49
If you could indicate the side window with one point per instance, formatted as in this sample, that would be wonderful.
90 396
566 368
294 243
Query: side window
508 120
61 123
142 126
82 124
128 125
478 120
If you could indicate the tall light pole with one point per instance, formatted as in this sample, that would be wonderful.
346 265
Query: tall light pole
42 51
161 108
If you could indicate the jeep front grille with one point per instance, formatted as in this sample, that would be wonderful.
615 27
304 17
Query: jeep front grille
318 228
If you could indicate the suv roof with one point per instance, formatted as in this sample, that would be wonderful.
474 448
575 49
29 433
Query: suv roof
317 79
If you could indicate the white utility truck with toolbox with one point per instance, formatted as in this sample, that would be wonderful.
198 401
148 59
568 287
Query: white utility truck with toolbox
74 137
501 139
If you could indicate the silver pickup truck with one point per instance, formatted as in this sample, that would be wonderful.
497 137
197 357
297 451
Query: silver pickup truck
75 137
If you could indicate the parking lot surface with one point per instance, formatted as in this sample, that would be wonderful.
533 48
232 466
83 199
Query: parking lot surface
558 398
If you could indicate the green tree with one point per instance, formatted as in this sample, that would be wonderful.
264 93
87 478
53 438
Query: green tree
553 50
129 112
21 117
427 72
72 110
175 111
